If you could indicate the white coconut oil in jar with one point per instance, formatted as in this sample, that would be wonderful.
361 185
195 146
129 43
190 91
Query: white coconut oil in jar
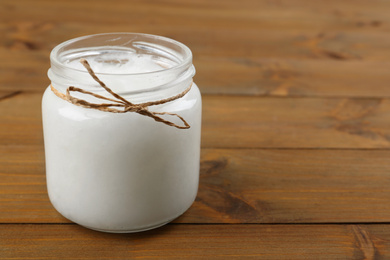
122 172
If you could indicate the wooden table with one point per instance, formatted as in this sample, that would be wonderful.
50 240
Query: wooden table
295 160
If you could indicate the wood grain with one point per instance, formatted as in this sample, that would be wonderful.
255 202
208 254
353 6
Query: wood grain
198 242
244 42
246 122
8 94
271 48
21 120
292 186
295 139
27 71
236 186
295 122
292 77
247 28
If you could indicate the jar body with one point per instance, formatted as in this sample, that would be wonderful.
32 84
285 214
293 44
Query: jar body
120 172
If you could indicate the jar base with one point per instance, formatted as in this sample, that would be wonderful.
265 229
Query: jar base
135 230
131 230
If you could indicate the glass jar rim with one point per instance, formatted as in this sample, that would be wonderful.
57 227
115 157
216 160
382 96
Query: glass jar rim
184 63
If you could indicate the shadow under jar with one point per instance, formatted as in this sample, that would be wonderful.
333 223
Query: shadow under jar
122 172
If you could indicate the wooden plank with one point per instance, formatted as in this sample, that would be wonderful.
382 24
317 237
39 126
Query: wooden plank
311 48
194 14
292 29
8 94
295 122
236 186
246 122
198 242
248 43
24 70
292 77
21 120
23 194
288 10
234 75
292 186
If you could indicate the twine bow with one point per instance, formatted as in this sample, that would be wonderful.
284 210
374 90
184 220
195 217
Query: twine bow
120 101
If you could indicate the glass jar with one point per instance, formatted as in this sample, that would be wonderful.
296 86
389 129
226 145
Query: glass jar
122 172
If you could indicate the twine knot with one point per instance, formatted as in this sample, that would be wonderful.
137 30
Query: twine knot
119 101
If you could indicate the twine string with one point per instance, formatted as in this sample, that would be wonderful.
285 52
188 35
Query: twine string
120 102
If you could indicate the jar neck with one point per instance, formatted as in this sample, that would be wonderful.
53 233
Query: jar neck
138 67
